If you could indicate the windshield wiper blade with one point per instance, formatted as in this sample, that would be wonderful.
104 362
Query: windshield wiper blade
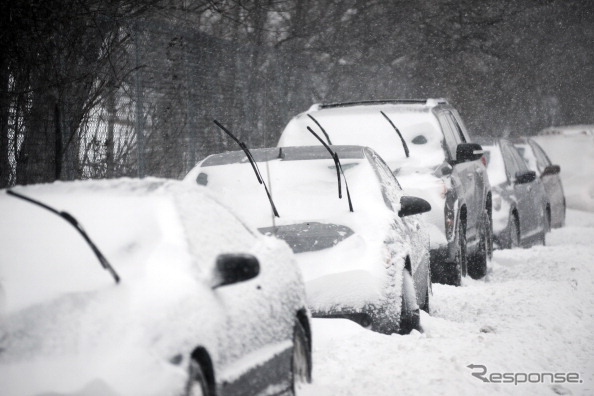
338 165
252 162
70 219
321 128
398 132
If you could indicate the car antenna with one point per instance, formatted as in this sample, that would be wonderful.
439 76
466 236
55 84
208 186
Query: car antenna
252 161
70 219
398 132
338 166
321 128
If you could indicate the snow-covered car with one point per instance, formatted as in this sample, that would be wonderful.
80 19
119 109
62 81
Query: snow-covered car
520 205
371 264
173 295
426 145
538 161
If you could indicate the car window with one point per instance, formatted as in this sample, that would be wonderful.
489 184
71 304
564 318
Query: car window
519 165
456 128
389 185
449 135
461 125
511 166
541 157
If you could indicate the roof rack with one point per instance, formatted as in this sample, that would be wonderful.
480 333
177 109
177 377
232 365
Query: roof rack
431 102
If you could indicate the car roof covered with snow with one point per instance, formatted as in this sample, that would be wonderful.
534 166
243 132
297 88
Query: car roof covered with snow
364 124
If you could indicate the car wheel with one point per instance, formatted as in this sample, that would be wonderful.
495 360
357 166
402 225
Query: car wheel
410 316
514 232
301 363
477 263
547 227
457 269
489 228
426 304
197 384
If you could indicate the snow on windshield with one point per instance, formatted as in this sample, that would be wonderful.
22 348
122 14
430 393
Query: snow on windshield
132 227
366 126
305 190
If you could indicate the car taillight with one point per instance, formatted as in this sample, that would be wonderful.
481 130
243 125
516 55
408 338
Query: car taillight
484 160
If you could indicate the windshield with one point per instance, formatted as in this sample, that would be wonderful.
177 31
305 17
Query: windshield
42 256
367 126
304 191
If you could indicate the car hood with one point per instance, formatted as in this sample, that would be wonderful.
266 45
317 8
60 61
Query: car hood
112 339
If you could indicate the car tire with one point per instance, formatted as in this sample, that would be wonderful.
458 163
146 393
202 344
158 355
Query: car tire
301 360
514 232
546 228
410 316
426 304
477 262
489 228
197 384
457 270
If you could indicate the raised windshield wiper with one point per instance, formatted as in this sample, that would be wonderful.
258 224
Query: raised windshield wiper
70 219
321 128
252 161
338 166
398 132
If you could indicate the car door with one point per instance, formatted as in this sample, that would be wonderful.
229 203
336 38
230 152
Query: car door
410 227
526 205
552 184
464 173
257 322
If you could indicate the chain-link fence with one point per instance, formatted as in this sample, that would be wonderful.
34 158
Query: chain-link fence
159 121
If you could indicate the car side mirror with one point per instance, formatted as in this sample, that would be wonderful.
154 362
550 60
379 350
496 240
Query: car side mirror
412 206
525 177
551 170
468 152
235 268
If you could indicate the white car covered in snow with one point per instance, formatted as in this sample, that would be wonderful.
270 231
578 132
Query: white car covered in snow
371 264
172 295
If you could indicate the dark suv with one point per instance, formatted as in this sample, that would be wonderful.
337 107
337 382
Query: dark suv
427 147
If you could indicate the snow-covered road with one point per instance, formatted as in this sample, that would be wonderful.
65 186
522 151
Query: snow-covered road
532 314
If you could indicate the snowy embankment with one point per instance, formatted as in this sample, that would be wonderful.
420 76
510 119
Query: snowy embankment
532 314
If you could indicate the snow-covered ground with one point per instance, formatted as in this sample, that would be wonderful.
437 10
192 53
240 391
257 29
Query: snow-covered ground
532 314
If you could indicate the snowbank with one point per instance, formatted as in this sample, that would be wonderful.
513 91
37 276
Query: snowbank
533 314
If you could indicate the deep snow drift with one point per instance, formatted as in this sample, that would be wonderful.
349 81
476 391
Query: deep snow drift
532 314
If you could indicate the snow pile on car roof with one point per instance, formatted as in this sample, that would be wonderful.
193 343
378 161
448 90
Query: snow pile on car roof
366 126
